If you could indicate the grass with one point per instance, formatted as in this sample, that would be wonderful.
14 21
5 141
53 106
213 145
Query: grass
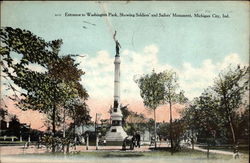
184 153
156 156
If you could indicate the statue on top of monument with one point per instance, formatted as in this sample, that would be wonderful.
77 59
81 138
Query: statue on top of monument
117 45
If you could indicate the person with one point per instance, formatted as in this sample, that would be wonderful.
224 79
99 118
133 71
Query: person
134 140
236 151
152 140
104 142
138 140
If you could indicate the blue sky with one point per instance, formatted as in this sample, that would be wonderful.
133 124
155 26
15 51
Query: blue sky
196 48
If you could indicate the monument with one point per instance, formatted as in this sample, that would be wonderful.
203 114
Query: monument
116 133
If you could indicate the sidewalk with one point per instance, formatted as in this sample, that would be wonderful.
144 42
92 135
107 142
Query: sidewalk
213 151
13 150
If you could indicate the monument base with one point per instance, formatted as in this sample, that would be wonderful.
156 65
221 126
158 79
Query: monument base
116 135
114 143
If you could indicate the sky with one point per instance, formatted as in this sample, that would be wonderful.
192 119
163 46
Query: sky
196 48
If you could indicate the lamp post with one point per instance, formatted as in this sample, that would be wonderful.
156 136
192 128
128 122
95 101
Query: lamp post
98 115
29 132
21 139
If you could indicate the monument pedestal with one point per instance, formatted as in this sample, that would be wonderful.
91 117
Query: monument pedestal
116 133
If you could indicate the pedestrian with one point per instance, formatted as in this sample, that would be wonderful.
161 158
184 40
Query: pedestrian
134 140
138 138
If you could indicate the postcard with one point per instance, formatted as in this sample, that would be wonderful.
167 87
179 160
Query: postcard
119 81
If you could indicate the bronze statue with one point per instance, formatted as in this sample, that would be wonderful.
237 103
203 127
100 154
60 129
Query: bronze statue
117 45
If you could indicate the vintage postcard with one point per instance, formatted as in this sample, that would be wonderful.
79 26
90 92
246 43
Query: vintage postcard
120 81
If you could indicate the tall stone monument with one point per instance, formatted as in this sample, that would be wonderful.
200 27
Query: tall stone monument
116 133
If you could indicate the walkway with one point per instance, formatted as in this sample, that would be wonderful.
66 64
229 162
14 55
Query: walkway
214 151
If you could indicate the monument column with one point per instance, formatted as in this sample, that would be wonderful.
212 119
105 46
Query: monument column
117 63
116 133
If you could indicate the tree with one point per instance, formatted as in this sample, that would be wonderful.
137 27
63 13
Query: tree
170 86
152 92
190 115
221 107
132 121
202 117
150 125
3 113
79 112
66 70
230 88
43 91
242 127
125 113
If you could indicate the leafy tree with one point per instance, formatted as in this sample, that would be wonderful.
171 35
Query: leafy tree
178 132
242 125
179 126
66 69
3 113
14 126
132 121
190 115
221 107
170 86
43 91
150 125
230 88
125 113
163 130
201 116
79 112
152 92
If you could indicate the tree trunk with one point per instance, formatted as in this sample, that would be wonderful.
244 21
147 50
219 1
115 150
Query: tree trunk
231 125
171 136
155 128
74 130
64 114
235 146
208 150
192 139
64 134
53 128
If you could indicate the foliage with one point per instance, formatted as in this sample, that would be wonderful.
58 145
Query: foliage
43 91
3 113
66 69
168 79
125 113
230 88
152 92
178 133
132 121
221 111
79 112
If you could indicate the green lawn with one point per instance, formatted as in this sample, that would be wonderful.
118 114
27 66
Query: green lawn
184 156
185 153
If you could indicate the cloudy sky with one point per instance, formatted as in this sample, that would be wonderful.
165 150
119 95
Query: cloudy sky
196 48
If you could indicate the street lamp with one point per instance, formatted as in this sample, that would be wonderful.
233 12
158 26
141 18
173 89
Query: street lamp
98 115
29 132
